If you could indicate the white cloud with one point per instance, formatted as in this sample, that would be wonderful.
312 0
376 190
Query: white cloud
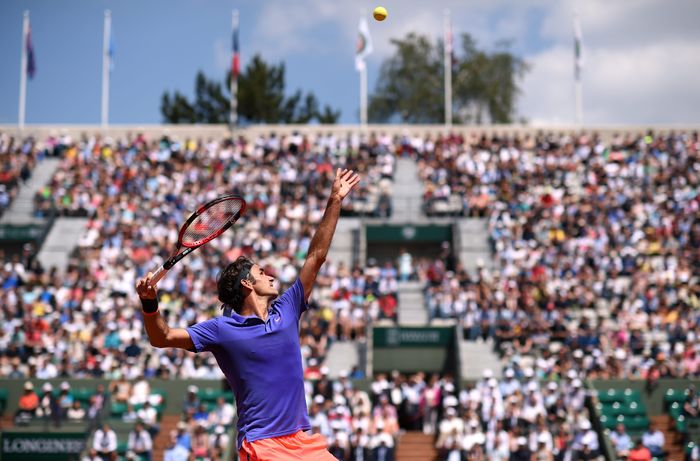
642 56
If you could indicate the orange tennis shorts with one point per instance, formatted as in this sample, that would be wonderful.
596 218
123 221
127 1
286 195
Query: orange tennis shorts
298 446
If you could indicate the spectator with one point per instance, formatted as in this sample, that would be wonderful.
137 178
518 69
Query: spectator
639 452
140 442
223 413
191 403
383 452
521 451
218 441
91 455
654 440
621 441
149 417
691 406
182 436
28 404
105 443
76 412
200 442
176 452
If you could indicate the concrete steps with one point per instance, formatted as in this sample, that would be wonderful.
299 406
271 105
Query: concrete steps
473 243
674 446
343 355
61 241
416 446
412 310
477 356
160 444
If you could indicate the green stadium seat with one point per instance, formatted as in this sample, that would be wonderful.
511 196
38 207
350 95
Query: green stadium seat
632 395
118 409
673 395
634 409
681 424
675 410
637 423
3 400
611 396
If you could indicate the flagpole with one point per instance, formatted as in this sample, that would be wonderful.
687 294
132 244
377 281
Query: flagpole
447 55
23 72
234 77
578 63
105 68
363 86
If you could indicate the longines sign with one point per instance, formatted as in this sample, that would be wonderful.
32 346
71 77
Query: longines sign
30 446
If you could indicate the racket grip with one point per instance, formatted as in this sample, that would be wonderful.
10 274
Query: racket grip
160 273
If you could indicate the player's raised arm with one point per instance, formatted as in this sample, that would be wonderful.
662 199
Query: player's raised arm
344 181
159 333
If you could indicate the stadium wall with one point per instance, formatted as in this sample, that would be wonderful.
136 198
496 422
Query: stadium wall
221 131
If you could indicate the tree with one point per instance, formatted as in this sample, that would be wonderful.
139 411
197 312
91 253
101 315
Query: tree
261 99
410 86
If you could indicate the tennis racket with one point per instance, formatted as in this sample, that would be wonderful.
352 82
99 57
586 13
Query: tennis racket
208 222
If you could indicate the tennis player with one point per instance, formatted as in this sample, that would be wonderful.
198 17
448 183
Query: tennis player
256 344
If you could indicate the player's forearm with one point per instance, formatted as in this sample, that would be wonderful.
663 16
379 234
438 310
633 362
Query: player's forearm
321 242
156 328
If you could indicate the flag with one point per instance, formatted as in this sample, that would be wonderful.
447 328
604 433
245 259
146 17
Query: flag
364 44
578 48
236 59
110 49
31 65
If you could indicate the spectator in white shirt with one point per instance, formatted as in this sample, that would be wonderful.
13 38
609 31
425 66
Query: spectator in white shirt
654 440
140 441
105 443
149 416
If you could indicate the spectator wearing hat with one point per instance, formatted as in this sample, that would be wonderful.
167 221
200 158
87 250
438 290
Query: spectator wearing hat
182 435
218 441
140 442
48 404
191 403
65 399
585 441
521 452
105 443
28 404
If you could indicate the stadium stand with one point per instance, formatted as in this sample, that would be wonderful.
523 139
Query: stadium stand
593 277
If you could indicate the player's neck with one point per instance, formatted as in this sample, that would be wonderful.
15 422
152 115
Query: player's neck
255 305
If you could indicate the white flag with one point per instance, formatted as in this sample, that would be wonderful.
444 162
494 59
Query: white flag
364 44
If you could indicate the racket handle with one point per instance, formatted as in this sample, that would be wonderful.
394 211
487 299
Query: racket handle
160 273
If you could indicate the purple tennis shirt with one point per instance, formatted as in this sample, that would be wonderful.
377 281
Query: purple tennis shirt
262 363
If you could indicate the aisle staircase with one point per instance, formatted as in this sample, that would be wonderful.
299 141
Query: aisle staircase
416 446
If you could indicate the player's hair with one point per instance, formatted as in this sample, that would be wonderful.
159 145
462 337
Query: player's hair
229 282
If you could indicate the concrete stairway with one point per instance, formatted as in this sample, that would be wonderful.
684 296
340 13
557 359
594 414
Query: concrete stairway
61 241
21 210
476 356
160 444
472 240
343 355
416 446
407 194
412 310
348 235
674 447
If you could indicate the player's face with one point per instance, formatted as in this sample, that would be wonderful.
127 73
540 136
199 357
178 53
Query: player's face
264 284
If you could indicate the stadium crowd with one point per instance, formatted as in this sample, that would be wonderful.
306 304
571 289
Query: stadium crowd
17 160
595 247
136 194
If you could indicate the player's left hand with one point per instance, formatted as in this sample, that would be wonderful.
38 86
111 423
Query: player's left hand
344 182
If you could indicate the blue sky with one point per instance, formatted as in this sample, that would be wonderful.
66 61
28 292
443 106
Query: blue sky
631 76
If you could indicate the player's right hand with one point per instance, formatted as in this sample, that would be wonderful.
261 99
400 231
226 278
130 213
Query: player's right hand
144 288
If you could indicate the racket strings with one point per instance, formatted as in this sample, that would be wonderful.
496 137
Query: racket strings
211 221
